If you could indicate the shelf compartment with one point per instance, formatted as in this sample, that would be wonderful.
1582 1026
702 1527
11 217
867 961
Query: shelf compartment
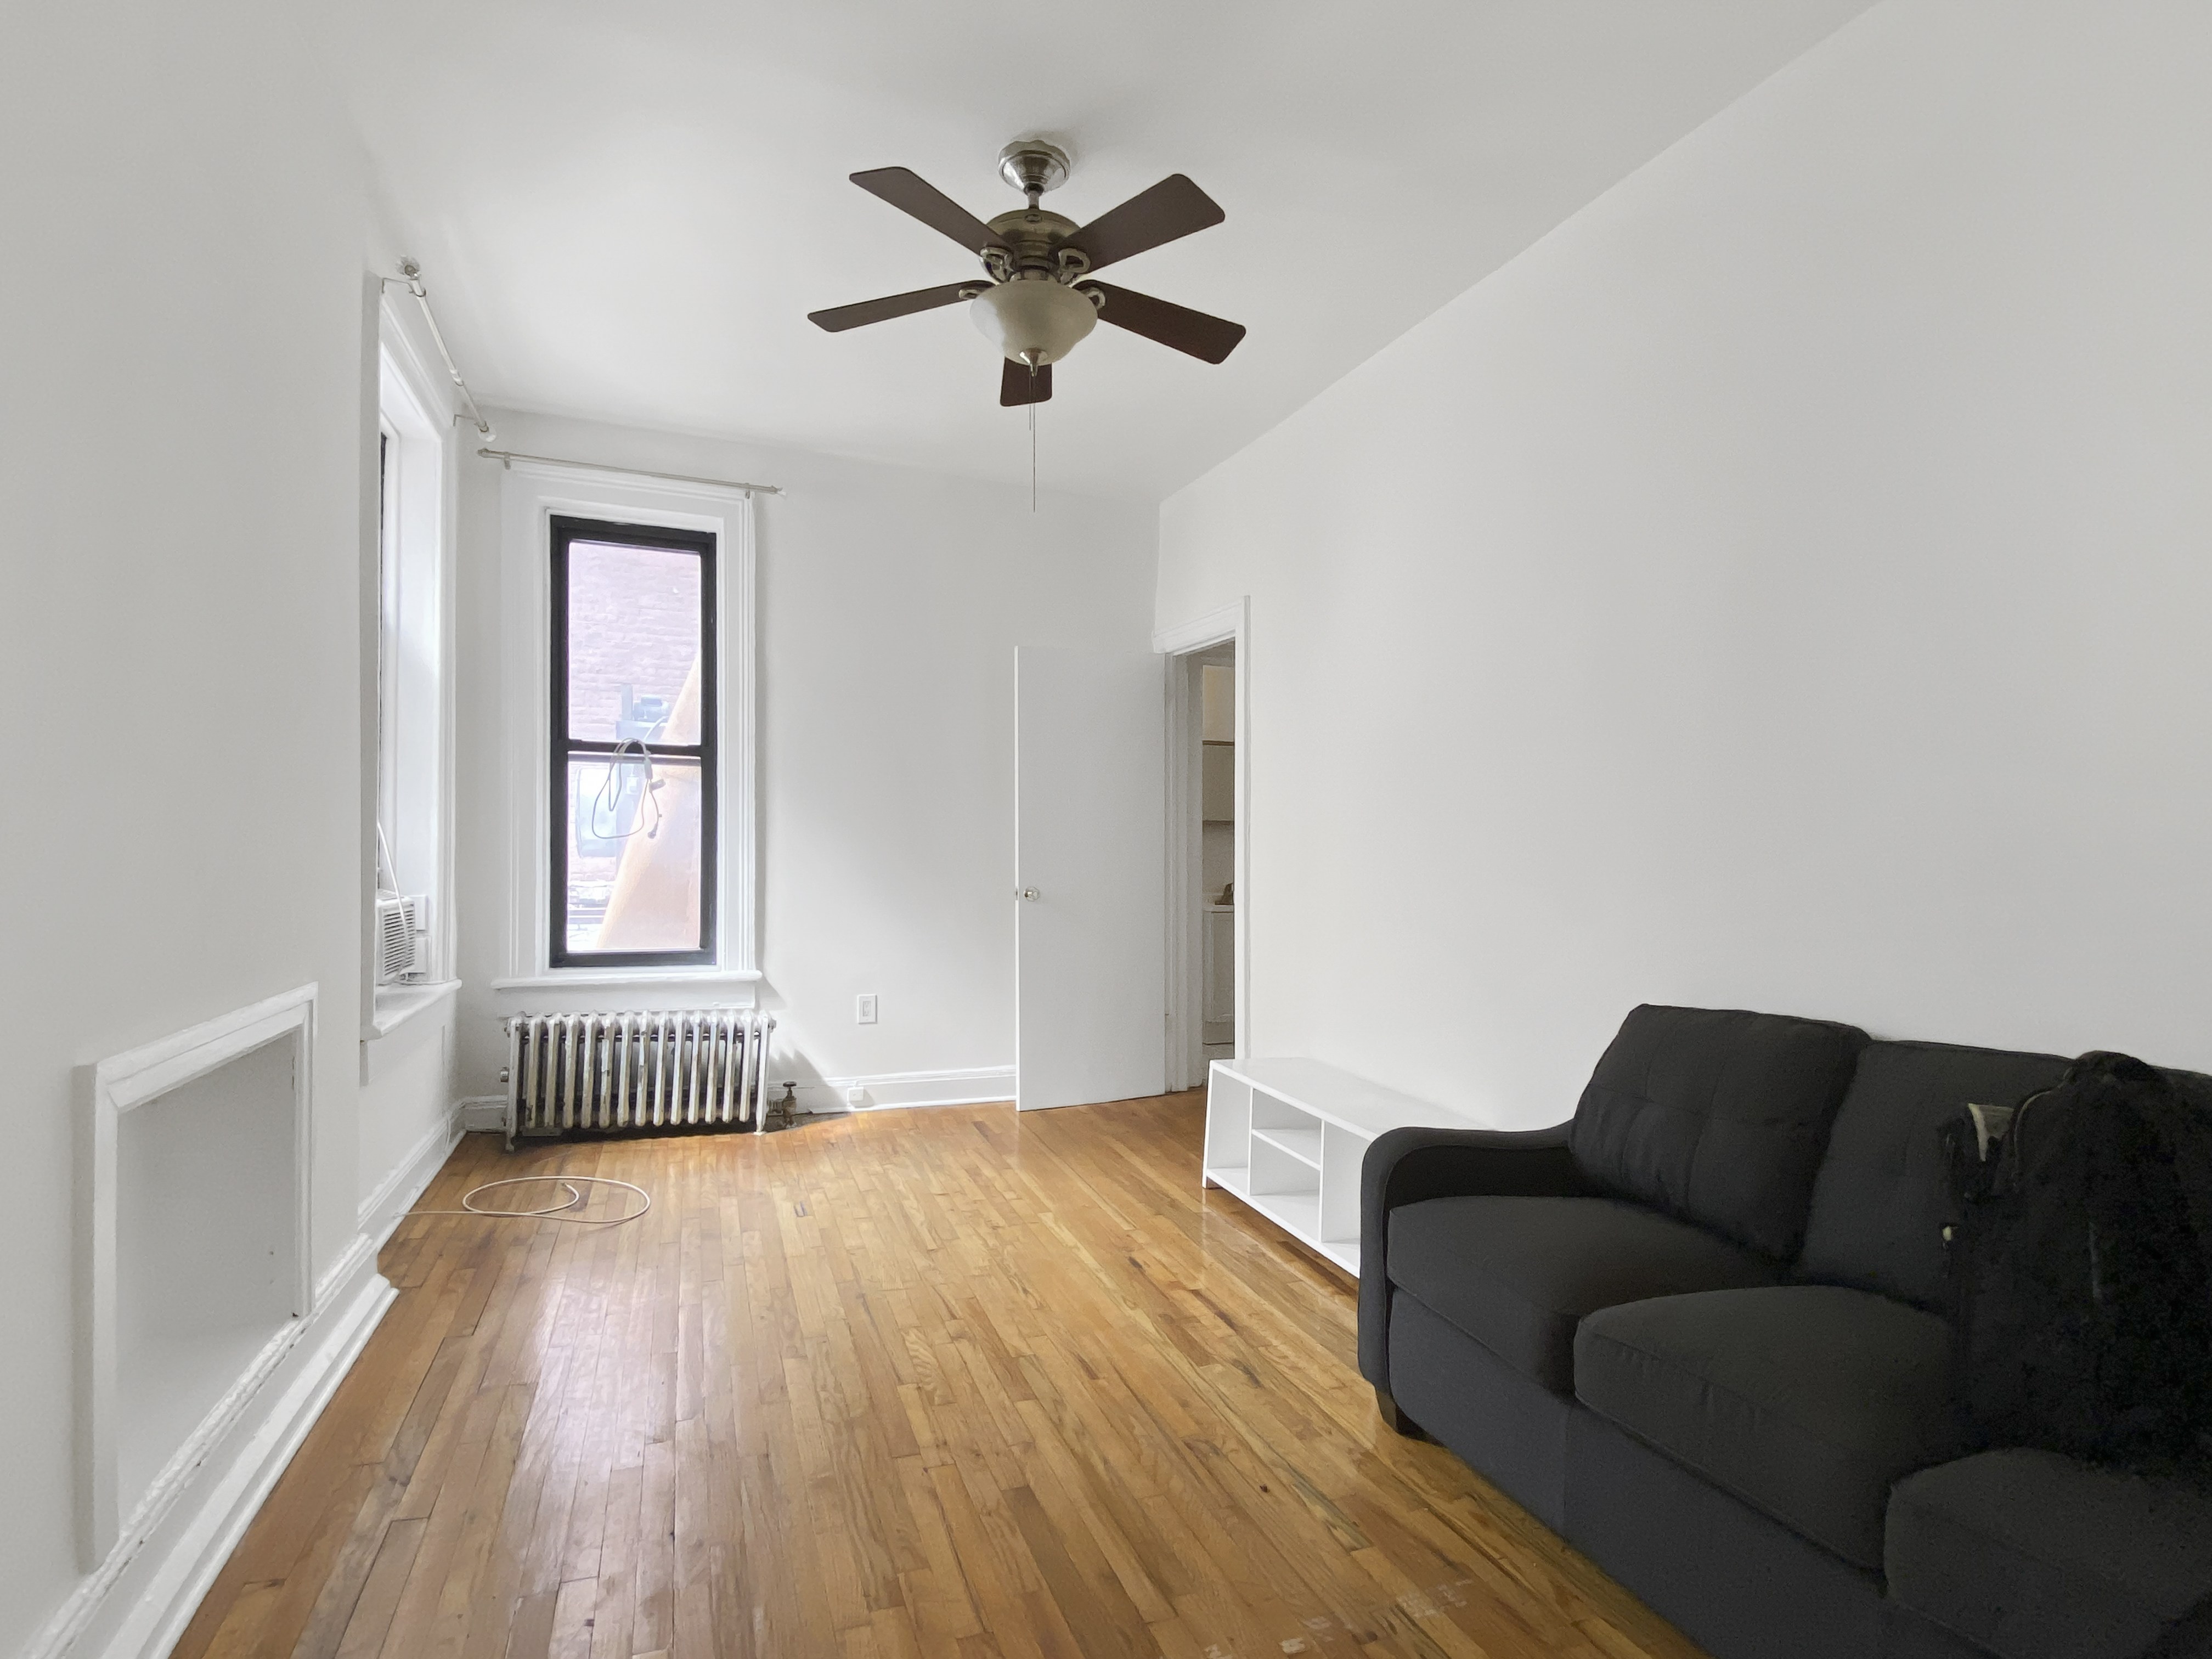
1231 1178
1278 1172
1299 1213
1288 1136
1272 1111
1304 1145
1228 1122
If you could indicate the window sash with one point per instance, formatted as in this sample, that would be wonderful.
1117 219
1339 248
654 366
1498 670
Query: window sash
704 754
388 448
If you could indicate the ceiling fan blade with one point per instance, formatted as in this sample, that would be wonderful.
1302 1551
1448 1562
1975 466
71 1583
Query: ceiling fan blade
1017 388
837 318
1173 207
1210 338
909 192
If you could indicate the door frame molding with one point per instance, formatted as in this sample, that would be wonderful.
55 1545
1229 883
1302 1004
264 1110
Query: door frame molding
1231 625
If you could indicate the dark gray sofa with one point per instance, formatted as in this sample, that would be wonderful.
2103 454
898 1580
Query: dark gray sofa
1698 1331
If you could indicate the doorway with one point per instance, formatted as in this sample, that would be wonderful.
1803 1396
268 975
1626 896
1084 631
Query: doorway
1207 856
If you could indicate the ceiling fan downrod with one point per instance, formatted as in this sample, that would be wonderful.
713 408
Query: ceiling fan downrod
1033 167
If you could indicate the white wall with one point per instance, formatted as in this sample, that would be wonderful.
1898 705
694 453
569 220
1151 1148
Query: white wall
408 1114
890 601
179 521
408 1111
1784 586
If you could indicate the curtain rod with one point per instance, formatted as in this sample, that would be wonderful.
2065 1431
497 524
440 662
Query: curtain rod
509 457
411 277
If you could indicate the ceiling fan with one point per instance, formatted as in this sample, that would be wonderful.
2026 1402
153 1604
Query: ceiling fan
1039 301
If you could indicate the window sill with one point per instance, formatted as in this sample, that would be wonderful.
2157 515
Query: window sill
395 1005
646 976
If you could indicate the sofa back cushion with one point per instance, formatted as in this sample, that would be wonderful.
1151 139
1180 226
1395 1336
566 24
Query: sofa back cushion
1716 1117
1879 1202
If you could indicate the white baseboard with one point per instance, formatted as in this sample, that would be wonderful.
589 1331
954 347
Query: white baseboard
136 1603
972 1085
480 1113
396 1195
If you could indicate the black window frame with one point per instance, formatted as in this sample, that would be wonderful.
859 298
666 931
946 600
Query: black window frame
565 531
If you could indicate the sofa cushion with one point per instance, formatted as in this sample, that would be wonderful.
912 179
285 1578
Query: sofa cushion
2037 1556
1805 1401
1878 1201
1518 1274
1716 1117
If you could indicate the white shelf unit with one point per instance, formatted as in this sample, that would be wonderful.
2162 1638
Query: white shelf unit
1287 1136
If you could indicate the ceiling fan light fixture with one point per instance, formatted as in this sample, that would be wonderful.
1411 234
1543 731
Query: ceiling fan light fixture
1022 318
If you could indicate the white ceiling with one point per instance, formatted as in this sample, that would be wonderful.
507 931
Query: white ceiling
625 211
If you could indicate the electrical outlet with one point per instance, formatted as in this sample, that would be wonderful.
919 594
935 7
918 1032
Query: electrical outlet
864 1009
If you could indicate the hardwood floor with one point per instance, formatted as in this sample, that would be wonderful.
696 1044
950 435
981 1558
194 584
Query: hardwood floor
942 1382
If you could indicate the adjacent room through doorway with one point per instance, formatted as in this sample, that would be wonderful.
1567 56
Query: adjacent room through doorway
1206 798
1216 861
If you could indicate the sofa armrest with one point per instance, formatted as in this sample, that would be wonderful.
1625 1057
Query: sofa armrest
1405 1166
2189 1637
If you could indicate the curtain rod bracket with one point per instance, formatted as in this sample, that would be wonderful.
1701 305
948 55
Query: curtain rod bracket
410 278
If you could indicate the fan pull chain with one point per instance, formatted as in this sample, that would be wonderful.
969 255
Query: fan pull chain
1033 368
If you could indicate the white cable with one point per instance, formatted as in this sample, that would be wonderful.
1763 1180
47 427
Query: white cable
384 866
552 1212
648 797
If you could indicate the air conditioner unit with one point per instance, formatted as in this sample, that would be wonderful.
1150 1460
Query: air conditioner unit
399 923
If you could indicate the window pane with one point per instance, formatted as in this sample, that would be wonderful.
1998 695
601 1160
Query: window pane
633 855
633 643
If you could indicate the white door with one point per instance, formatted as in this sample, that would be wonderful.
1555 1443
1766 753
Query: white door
1089 854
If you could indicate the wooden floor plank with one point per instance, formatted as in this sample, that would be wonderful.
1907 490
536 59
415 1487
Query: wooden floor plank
941 1384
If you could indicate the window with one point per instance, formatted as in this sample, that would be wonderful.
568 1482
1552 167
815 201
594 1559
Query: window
635 775
585 673
409 842
389 621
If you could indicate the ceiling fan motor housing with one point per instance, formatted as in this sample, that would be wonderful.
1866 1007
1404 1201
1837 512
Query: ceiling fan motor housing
1034 321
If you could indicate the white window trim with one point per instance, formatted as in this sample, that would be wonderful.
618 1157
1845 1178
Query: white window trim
416 403
533 492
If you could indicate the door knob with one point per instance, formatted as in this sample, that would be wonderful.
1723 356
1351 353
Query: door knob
1029 893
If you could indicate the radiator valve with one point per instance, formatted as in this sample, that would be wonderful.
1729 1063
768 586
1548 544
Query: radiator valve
785 1112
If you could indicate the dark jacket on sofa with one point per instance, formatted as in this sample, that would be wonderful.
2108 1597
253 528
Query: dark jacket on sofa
1698 1330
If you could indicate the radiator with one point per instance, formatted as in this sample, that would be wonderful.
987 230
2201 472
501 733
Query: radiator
635 1071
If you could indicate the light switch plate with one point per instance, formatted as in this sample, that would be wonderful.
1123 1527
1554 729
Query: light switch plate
864 1009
